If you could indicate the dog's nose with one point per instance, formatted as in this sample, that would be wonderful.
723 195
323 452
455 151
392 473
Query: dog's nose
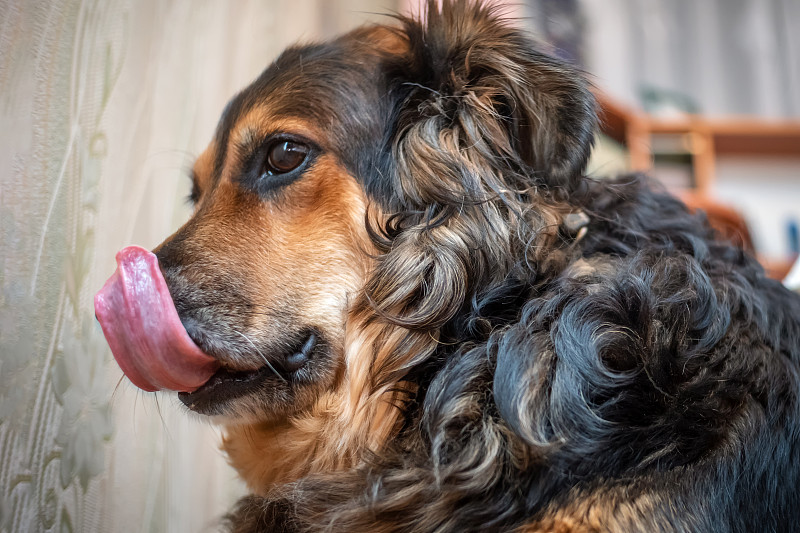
174 252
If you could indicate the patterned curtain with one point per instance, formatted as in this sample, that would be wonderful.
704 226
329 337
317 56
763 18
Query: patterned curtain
103 104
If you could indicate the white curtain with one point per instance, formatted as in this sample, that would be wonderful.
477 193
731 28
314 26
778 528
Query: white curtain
729 56
103 104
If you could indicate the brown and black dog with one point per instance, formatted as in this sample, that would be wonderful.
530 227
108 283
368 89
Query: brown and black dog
412 312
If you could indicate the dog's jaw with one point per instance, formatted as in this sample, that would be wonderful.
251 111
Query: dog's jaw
334 434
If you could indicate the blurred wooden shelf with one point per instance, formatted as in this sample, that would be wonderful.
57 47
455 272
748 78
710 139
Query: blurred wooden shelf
700 140
775 268
703 138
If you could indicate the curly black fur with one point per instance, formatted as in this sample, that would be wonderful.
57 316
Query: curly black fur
633 375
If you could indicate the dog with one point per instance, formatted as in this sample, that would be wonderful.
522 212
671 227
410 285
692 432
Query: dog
411 310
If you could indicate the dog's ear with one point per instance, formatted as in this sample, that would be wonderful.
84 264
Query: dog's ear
478 88
485 134
484 131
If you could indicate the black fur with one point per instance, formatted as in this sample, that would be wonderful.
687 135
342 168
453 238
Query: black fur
634 375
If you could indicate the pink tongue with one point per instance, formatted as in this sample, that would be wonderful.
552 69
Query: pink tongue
142 327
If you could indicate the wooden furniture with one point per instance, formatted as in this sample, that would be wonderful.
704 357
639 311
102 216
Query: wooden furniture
703 138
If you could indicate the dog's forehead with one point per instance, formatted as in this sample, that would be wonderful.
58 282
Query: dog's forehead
300 81
335 86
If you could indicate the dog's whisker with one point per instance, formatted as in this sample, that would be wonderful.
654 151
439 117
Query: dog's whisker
116 388
245 337
164 424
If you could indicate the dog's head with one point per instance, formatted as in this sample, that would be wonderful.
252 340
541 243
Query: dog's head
367 200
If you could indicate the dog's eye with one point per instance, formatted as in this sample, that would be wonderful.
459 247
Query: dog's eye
285 156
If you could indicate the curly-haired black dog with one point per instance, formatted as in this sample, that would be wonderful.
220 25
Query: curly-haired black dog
412 312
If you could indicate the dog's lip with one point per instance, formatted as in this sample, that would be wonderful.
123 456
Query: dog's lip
226 383
230 382
227 373
289 361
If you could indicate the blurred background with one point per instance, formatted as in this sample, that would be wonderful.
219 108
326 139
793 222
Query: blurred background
105 103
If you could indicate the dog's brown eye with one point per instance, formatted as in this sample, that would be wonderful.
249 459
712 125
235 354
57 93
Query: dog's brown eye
285 156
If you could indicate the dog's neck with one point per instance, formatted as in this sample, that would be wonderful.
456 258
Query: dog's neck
268 454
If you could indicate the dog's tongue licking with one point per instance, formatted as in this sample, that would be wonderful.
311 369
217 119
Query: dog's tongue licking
142 327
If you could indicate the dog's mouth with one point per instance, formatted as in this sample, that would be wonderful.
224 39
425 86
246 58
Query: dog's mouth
155 350
228 384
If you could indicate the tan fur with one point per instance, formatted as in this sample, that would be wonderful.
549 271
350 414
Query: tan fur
317 224
203 168
342 425
607 509
359 415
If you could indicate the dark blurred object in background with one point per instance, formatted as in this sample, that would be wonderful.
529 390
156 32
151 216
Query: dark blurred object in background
560 24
